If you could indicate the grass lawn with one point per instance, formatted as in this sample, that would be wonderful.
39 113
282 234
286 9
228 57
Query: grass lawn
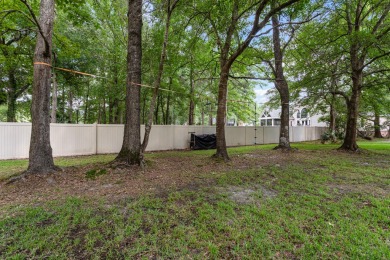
312 203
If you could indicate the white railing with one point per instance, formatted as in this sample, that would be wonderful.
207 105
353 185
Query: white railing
80 139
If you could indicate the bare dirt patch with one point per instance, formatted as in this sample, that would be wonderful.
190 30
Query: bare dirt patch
248 195
165 172
161 174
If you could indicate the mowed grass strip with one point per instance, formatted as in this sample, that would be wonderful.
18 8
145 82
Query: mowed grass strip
329 205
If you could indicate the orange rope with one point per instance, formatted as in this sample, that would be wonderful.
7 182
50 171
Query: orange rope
95 76
68 70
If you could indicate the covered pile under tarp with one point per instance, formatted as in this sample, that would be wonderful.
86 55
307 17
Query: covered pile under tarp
203 142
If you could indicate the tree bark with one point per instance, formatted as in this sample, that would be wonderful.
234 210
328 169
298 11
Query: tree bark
221 115
228 57
377 126
130 153
86 109
191 112
169 120
332 121
40 155
104 112
70 106
349 142
157 83
53 116
11 96
282 87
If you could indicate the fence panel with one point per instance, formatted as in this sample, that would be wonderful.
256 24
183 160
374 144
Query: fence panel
299 134
14 140
271 134
109 138
235 135
68 139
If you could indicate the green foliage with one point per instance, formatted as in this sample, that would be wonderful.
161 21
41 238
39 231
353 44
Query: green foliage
3 113
91 36
332 136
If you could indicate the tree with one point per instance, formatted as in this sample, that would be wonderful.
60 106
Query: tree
226 31
170 8
131 148
16 44
366 26
339 54
281 85
40 155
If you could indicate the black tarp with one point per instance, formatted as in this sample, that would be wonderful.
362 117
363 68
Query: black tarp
203 142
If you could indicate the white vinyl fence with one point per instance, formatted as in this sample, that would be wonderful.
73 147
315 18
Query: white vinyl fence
72 139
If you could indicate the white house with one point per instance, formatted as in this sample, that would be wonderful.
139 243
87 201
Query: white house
298 116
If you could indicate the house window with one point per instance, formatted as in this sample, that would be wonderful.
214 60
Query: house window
304 113
269 122
263 122
299 114
266 114
277 122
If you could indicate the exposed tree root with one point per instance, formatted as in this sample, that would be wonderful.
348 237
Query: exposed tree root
222 157
354 149
44 172
285 148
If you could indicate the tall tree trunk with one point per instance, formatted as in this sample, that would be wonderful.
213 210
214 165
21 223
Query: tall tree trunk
110 110
156 111
221 114
131 147
191 112
86 109
118 113
377 126
70 106
282 87
13 93
332 121
202 115
332 114
11 96
168 103
353 102
157 83
349 142
63 99
53 116
144 109
103 113
162 110
40 155
210 117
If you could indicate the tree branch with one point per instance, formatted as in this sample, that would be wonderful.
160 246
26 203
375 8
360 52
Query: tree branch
22 89
257 26
376 58
381 19
250 77
47 46
341 93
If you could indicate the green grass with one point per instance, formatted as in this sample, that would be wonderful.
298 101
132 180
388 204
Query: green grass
12 167
329 206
